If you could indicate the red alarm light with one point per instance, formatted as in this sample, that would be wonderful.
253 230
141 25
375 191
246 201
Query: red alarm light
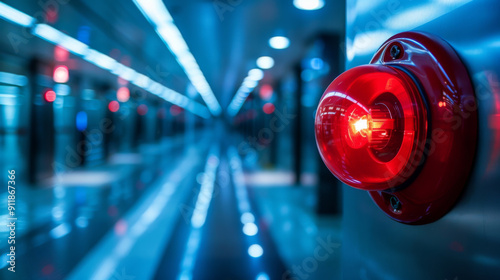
390 127
368 126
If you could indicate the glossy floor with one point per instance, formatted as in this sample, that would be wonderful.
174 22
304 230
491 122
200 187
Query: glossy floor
170 212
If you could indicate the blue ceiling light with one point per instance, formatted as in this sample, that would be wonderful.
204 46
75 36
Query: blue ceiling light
316 63
279 42
265 62
255 251
101 60
15 16
56 37
81 121
262 276
250 229
255 74
248 85
157 14
309 5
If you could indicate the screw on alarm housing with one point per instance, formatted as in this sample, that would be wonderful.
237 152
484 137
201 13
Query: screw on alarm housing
395 203
395 52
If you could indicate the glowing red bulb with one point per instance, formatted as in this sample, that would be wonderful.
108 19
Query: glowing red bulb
361 125
366 127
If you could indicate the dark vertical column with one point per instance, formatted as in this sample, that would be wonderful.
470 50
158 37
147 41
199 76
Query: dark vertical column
32 149
274 143
297 135
329 187
41 124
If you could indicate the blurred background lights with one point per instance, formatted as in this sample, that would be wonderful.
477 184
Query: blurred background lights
266 92
250 83
81 121
268 108
309 5
265 62
250 229
262 276
142 109
279 42
60 53
61 74
114 106
82 222
316 63
175 110
50 96
256 74
123 94
247 217
255 251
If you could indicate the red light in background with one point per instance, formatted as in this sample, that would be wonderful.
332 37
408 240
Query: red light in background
51 13
441 104
142 109
251 114
60 54
126 60
123 94
266 92
48 269
114 106
268 108
122 82
61 74
112 210
115 53
175 110
457 246
121 227
50 95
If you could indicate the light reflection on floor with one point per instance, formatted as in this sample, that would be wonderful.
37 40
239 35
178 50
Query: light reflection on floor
101 222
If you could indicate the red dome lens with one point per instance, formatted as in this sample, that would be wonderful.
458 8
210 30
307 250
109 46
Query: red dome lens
369 125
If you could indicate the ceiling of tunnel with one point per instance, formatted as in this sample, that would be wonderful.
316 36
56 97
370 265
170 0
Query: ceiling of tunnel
225 36
227 39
